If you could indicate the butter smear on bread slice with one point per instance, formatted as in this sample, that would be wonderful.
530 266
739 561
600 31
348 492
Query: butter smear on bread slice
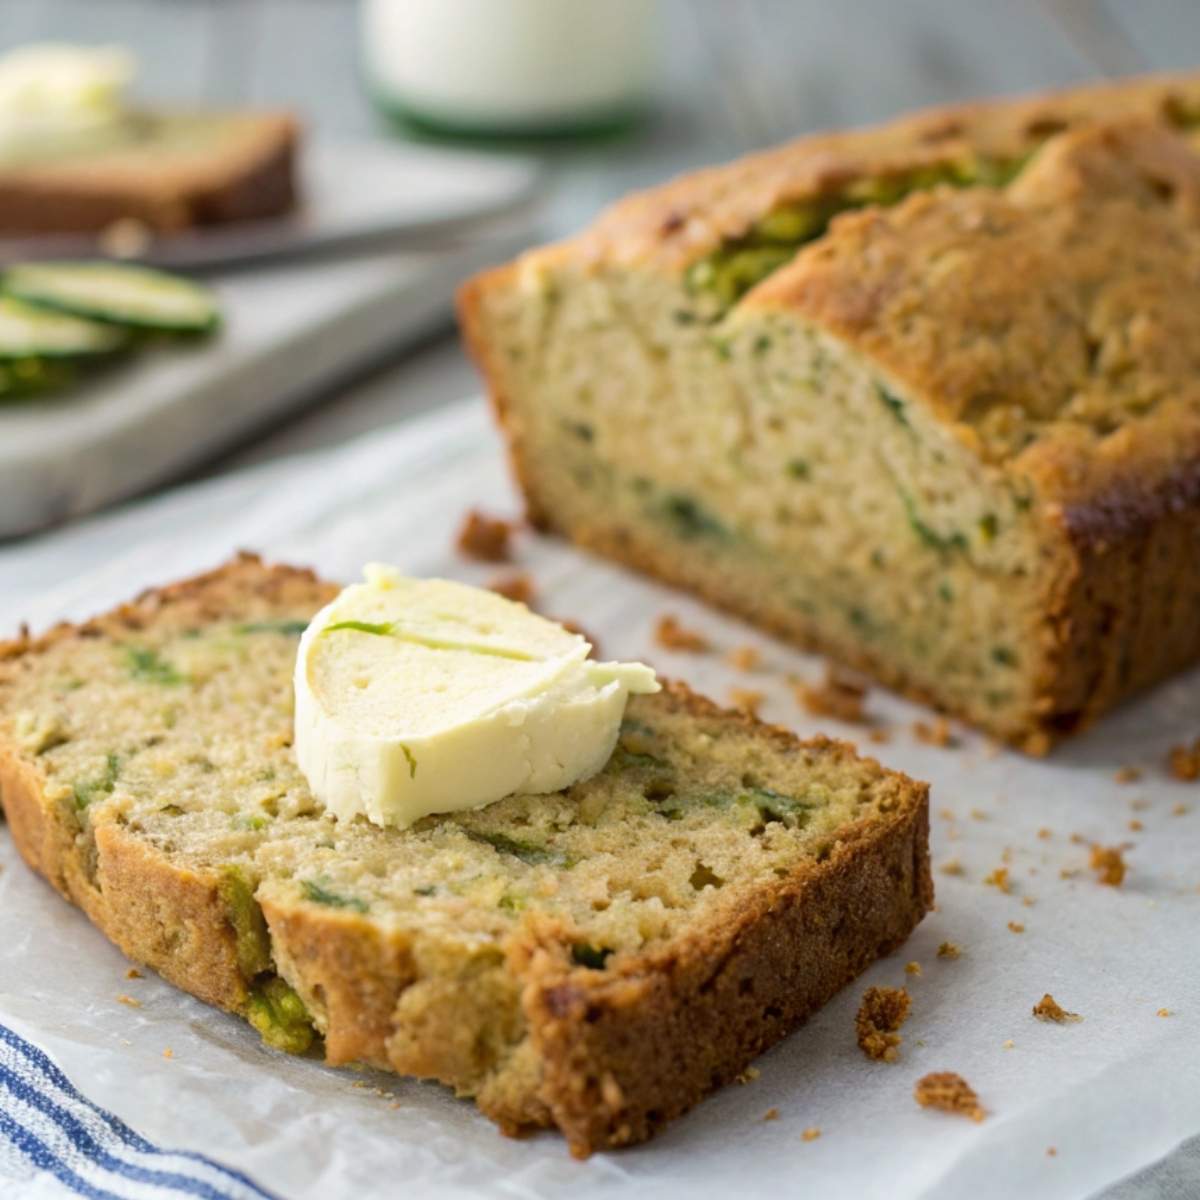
428 696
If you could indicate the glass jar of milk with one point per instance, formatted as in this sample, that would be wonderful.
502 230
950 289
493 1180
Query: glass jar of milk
510 67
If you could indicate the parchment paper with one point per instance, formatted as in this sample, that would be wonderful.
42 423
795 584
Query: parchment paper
1110 1094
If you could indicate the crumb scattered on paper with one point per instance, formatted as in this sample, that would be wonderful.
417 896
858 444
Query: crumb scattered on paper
1109 865
810 1134
999 879
949 950
772 1114
517 586
1016 927
948 1092
746 700
1049 1009
1127 775
952 867
882 1011
838 695
749 1075
912 968
485 538
134 973
128 1001
671 635
1184 762
744 658
935 733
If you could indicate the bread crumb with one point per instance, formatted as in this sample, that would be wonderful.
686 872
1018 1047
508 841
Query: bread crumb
838 695
1048 1009
168 1053
1050 1151
128 1001
1016 927
935 733
746 700
1045 834
999 880
948 1092
484 538
744 658
671 635
977 814
749 1075
1028 901
1184 762
1180 810
575 627
1136 826
882 1011
880 737
134 973
1163 1012
952 867
1007 1045
912 968
1109 865
1127 775
772 1114
949 950
517 587
810 1134
1140 804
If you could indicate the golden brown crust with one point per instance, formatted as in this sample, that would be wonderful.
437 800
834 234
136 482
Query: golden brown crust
676 223
624 1055
605 1055
252 175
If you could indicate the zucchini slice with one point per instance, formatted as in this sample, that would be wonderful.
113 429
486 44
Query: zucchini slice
30 332
122 295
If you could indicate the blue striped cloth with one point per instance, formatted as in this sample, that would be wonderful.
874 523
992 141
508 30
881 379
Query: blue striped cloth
50 1131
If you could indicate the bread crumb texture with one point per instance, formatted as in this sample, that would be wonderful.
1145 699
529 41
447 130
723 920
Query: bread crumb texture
596 959
1048 1009
882 1011
485 538
950 1093
950 950
810 1134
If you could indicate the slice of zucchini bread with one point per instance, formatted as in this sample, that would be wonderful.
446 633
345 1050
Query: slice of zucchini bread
596 959
169 171
950 436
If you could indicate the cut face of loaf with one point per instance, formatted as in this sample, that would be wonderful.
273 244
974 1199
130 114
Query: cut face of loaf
596 959
952 438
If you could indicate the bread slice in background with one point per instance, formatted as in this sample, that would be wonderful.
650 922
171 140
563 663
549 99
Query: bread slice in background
169 171
923 396
597 959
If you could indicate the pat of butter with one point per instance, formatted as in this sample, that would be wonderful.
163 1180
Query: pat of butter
426 696
52 91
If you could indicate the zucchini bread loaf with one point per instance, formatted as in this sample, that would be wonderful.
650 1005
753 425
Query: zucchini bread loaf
596 959
950 436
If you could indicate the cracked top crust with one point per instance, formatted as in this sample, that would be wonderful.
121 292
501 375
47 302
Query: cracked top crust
1054 326
674 224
